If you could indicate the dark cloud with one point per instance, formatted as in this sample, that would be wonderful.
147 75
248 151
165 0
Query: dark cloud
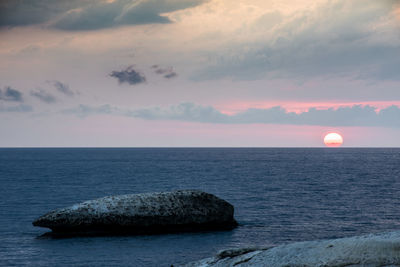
129 75
43 96
170 75
167 72
28 12
78 15
63 88
161 71
356 115
10 94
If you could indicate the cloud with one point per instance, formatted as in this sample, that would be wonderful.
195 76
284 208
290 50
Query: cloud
76 15
183 112
167 72
28 12
356 115
129 75
83 111
19 108
170 75
43 96
11 94
63 88
356 39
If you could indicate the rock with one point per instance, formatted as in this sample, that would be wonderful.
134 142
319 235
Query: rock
184 210
368 250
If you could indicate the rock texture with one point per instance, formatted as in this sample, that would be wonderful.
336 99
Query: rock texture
369 250
185 210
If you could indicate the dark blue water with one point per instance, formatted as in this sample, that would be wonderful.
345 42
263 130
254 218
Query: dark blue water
280 195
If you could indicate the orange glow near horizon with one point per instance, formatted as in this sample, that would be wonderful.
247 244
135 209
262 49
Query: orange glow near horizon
333 140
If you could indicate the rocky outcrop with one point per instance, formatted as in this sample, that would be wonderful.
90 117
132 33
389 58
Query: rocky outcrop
184 210
369 250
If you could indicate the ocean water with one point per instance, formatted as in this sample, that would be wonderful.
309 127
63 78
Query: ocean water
280 195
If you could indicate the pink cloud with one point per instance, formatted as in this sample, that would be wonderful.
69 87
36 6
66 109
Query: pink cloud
230 108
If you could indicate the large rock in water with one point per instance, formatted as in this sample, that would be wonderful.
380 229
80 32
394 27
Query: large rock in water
184 210
369 250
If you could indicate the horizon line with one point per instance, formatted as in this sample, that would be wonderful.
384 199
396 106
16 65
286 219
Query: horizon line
128 147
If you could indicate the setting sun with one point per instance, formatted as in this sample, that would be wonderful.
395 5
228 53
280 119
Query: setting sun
333 140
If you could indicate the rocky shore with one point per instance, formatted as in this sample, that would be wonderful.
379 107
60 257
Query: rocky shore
150 213
193 210
368 250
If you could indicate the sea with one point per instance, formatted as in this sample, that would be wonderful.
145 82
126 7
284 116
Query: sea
280 195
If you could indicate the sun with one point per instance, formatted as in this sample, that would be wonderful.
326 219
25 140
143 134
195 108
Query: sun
333 140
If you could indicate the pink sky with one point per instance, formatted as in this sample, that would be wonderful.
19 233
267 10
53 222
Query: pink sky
231 108
70 76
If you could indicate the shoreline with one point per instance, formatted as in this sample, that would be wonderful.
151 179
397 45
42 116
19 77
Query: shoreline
381 249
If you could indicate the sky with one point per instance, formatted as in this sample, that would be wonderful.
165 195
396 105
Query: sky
199 73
